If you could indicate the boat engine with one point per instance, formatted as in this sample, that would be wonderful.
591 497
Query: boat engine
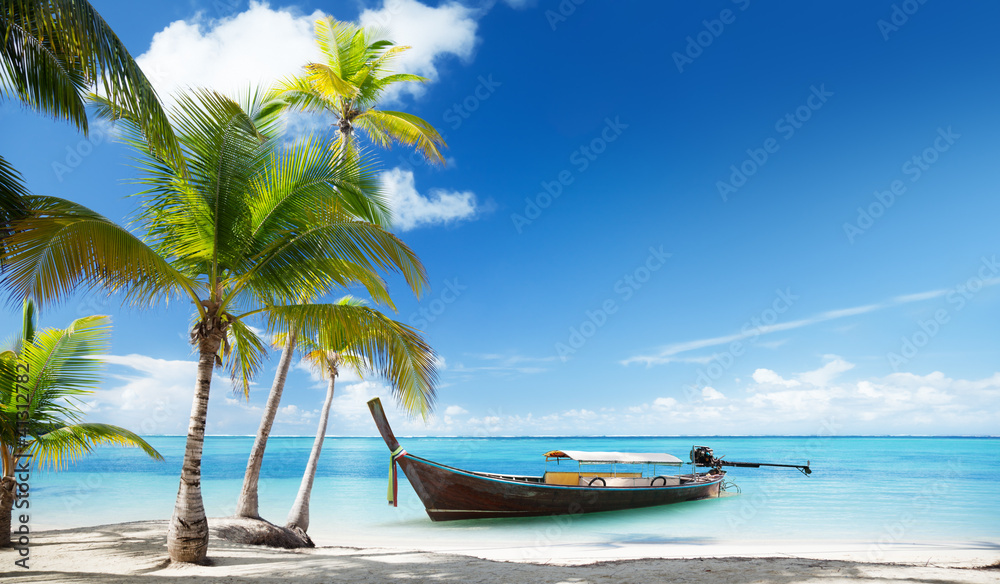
703 456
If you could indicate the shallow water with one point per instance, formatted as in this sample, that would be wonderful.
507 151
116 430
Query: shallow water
862 489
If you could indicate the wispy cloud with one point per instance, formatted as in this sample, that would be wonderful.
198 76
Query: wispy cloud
498 363
669 353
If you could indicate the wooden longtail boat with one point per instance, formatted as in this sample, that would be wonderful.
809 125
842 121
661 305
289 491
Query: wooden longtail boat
450 493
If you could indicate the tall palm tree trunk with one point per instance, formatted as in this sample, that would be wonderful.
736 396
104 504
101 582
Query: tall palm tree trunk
247 505
298 517
187 537
346 131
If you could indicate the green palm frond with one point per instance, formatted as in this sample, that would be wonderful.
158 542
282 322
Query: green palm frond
384 127
246 355
62 246
297 93
325 80
387 347
309 178
53 50
61 368
27 323
39 67
55 369
287 268
12 190
56 448
13 196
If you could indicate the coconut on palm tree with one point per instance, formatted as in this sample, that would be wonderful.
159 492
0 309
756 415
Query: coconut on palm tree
406 361
351 82
251 227
52 52
43 377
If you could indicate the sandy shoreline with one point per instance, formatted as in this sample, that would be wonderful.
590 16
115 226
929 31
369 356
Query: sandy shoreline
132 552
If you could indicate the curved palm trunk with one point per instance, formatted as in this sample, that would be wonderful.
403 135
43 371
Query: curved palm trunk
298 517
187 537
247 505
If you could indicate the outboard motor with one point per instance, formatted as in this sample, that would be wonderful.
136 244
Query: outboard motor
702 456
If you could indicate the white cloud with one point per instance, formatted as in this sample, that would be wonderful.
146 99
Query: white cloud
711 394
664 403
822 376
433 33
263 44
411 209
153 396
259 45
768 377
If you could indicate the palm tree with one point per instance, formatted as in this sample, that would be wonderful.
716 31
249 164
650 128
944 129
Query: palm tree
406 361
42 380
250 228
52 52
350 84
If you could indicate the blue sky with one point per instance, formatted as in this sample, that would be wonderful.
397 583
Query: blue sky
725 218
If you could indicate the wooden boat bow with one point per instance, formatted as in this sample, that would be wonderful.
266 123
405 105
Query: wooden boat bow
396 451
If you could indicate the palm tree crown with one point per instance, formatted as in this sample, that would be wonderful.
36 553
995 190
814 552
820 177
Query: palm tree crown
244 230
350 84
42 379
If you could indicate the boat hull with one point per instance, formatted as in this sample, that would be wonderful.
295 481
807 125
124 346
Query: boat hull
450 494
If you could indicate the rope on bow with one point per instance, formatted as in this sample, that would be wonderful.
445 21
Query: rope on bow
393 485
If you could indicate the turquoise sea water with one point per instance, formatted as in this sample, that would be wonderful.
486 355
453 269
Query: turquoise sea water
862 489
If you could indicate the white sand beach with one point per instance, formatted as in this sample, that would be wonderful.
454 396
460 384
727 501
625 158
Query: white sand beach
136 552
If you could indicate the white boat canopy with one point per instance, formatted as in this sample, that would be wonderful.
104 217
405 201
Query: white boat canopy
616 457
